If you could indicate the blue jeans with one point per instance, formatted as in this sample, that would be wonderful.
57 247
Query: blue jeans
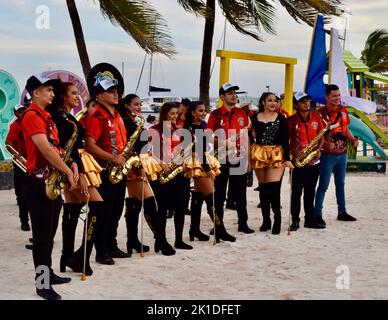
336 164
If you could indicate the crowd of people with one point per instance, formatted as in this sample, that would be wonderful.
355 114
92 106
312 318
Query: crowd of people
222 151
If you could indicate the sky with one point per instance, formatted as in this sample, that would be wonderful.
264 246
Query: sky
26 49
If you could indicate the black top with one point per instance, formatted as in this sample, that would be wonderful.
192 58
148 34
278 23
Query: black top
198 129
131 126
65 131
272 133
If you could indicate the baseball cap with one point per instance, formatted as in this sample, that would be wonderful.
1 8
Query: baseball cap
226 87
18 107
299 95
35 81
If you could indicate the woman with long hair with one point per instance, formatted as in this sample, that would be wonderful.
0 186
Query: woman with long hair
67 99
172 194
270 154
202 167
137 182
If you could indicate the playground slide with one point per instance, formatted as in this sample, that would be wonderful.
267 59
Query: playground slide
364 132
376 130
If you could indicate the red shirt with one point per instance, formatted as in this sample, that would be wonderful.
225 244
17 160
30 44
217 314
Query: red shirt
284 113
224 119
107 130
221 118
165 142
82 121
35 121
339 117
15 136
304 130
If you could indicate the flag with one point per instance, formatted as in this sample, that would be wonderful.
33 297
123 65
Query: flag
317 65
337 69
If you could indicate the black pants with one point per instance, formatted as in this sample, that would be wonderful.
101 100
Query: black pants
113 196
20 192
239 183
44 219
174 195
304 180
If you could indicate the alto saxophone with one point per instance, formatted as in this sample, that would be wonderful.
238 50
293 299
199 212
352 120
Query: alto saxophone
56 181
117 172
176 164
310 151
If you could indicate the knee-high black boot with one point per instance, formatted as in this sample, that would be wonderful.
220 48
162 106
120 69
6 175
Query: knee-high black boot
275 204
70 217
265 206
96 210
196 206
150 213
133 208
221 233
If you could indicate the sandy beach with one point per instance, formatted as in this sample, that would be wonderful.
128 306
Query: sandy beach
257 266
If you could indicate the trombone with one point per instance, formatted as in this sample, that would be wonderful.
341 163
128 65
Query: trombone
17 158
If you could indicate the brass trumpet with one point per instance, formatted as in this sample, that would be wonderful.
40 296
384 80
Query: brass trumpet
17 158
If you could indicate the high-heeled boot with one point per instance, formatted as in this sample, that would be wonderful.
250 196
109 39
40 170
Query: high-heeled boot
133 208
220 231
76 262
196 206
150 214
265 207
71 212
275 205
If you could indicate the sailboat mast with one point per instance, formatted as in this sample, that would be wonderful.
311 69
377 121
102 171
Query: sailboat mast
150 79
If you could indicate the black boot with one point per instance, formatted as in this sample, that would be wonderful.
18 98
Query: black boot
76 262
157 226
344 216
265 206
294 225
220 231
133 208
274 192
48 294
196 206
71 212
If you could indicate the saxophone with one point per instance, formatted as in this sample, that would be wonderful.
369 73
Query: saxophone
117 172
308 153
55 182
176 164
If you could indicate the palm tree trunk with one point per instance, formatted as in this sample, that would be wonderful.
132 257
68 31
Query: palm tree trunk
204 82
79 37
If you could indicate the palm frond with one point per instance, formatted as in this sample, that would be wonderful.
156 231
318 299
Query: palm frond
306 10
197 7
249 16
142 22
375 53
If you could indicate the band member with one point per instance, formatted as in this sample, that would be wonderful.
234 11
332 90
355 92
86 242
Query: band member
280 105
15 139
304 126
203 168
182 111
105 139
333 158
225 118
68 126
90 109
138 187
269 155
42 149
172 194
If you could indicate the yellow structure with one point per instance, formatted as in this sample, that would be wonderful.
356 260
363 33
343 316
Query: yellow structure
289 63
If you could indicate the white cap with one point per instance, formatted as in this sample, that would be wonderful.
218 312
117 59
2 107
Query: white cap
300 95
227 86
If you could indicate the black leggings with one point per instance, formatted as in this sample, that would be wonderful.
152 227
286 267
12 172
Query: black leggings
174 195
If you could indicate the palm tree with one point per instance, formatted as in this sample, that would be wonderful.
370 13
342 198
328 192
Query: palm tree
141 21
249 17
375 53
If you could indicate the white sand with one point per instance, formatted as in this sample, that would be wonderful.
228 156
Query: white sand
257 266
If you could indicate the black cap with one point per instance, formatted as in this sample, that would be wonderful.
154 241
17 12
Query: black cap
37 81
